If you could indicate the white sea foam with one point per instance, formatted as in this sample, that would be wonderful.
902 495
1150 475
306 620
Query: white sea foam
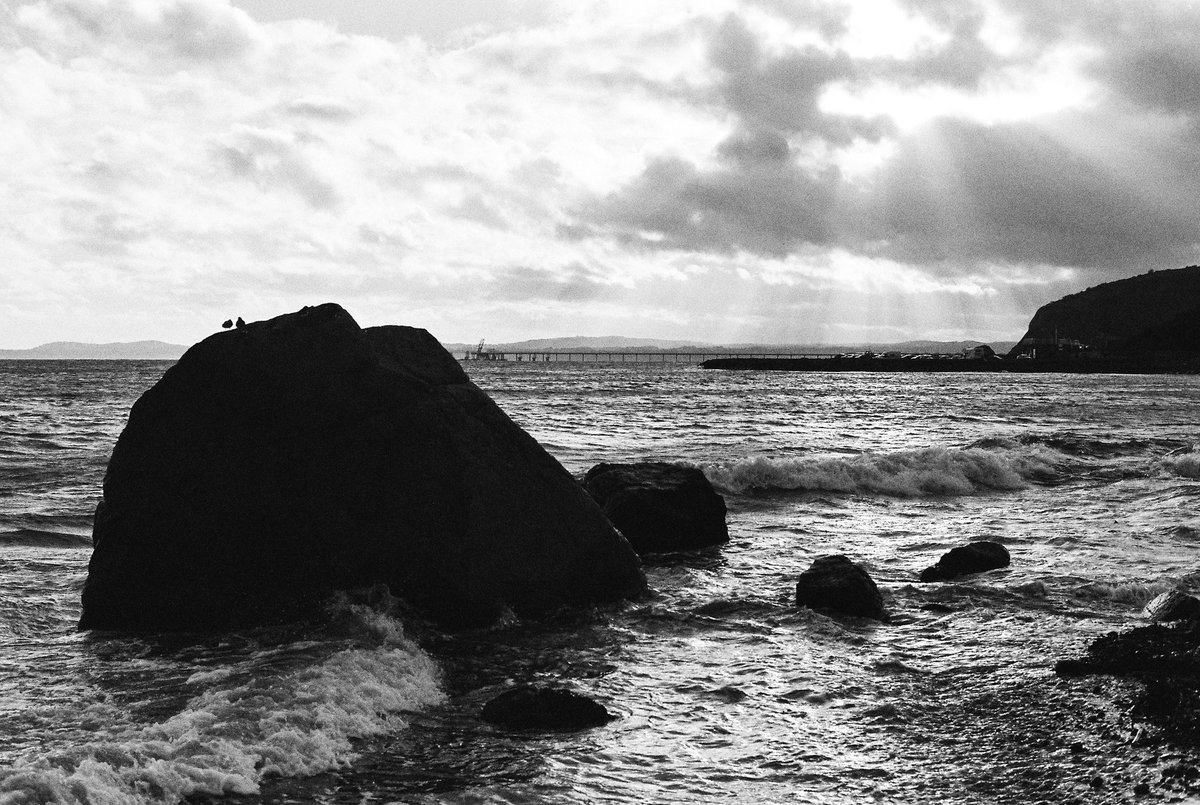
929 471
1186 465
1137 593
230 737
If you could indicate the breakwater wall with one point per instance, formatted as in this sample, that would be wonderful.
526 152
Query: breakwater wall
1116 365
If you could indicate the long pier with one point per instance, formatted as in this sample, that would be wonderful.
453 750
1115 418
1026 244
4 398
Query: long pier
671 356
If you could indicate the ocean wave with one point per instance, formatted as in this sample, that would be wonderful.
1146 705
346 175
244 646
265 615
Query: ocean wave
1185 464
908 473
244 728
34 537
1073 444
1136 593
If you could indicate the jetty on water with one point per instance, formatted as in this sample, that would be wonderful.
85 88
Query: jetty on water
620 356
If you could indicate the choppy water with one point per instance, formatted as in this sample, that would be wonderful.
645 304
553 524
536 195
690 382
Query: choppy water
725 691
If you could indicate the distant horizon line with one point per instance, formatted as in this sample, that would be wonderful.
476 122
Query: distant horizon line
166 350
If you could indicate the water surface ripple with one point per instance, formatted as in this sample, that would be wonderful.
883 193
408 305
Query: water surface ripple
725 691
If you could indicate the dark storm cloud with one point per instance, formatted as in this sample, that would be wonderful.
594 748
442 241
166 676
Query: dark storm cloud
758 199
1013 194
760 203
781 93
958 192
1163 77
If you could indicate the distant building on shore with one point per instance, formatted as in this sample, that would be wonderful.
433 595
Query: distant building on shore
982 352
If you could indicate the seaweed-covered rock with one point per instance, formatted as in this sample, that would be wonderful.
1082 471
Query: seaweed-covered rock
835 583
533 708
1165 659
1146 650
659 506
282 460
974 557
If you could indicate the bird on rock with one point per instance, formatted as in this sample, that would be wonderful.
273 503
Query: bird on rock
227 324
240 322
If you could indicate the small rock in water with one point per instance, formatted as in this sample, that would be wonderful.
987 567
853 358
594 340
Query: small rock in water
1173 605
659 506
530 708
835 583
729 694
972 558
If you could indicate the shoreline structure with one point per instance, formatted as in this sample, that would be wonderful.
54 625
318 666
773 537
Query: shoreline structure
1148 324
1138 365
838 364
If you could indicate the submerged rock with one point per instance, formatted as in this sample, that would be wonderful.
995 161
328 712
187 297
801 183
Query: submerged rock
291 457
530 708
974 557
835 583
658 506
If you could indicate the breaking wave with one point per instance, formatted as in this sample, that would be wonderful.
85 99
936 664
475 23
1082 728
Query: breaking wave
243 727
1185 464
909 473
33 537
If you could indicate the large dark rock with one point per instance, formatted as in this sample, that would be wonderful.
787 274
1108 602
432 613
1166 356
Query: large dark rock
659 507
279 461
974 557
835 583
530 708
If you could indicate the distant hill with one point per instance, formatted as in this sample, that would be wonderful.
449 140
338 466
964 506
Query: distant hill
1158 312
74 350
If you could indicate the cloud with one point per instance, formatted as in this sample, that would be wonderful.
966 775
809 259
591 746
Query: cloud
576 283
1059 189
1016 194
174 30
762 204
272 158
718 164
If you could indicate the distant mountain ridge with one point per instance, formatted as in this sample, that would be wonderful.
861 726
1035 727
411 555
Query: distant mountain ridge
75 350
616 343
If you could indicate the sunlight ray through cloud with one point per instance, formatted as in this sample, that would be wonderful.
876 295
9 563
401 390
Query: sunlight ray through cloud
171 141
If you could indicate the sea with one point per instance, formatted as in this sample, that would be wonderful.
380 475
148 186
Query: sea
724 691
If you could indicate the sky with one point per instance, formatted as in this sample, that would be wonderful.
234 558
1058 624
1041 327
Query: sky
724 171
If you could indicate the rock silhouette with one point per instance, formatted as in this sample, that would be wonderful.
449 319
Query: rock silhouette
535 708
974 557
307 455
659 506
835 583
